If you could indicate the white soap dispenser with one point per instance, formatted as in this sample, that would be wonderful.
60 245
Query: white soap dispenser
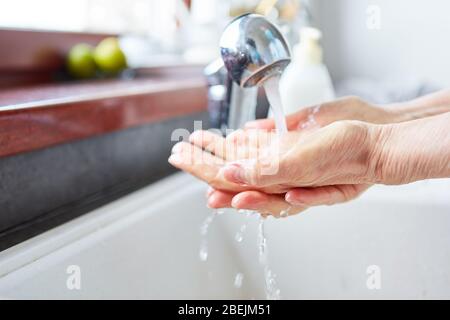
306 81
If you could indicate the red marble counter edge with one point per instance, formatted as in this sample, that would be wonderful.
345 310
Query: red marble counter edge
28 128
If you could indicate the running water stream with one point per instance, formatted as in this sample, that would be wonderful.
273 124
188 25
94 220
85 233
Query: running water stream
271 87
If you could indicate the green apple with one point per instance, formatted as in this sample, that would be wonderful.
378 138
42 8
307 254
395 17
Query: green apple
80 61
109 57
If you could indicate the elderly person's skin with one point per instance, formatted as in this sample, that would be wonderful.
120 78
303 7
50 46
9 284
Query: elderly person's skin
322 163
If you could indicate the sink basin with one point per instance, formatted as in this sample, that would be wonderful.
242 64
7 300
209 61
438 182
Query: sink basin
146 246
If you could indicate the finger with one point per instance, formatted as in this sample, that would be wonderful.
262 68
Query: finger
326 195
202 165
220 199
241 144
238 145
209 141
252 138
238 137
265 203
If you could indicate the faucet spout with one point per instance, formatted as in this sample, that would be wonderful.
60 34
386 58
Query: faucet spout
253 50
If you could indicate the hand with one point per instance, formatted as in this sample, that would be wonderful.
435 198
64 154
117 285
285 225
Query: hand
197 159
391 163
353 152
314 161
293 202
209 152
347 108
394 160
340 153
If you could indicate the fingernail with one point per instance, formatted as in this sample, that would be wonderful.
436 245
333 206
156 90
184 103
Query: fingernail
175 159
234 173
292 199
254 205
177 148
212 202
195 135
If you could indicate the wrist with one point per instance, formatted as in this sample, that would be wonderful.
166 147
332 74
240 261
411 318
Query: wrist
410 151
380 154
412 110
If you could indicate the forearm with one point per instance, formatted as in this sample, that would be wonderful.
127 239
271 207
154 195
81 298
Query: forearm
429 105
412 150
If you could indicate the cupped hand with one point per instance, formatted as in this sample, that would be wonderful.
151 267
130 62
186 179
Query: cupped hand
256 172
207 153
340 153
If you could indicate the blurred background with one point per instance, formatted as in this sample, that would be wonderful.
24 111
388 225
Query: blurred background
400 44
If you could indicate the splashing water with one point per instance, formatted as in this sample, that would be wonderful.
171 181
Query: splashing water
261 242
285 213
203 254
238 279
240 234
272 291
271 87
204 228
243 228
311 120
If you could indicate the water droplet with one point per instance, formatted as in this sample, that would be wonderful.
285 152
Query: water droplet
238 279
240 234
285 213
311 119
247 213
261 240
272 292
206 223
203 254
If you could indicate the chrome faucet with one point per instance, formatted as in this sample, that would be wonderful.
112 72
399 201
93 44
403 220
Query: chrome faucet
252 50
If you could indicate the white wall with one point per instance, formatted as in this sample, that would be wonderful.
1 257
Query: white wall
412 43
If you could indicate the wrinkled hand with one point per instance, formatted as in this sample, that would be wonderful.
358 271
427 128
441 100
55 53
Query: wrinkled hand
254 172
314 117
321 164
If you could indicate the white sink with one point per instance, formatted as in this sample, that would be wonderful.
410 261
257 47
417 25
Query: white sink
146 246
